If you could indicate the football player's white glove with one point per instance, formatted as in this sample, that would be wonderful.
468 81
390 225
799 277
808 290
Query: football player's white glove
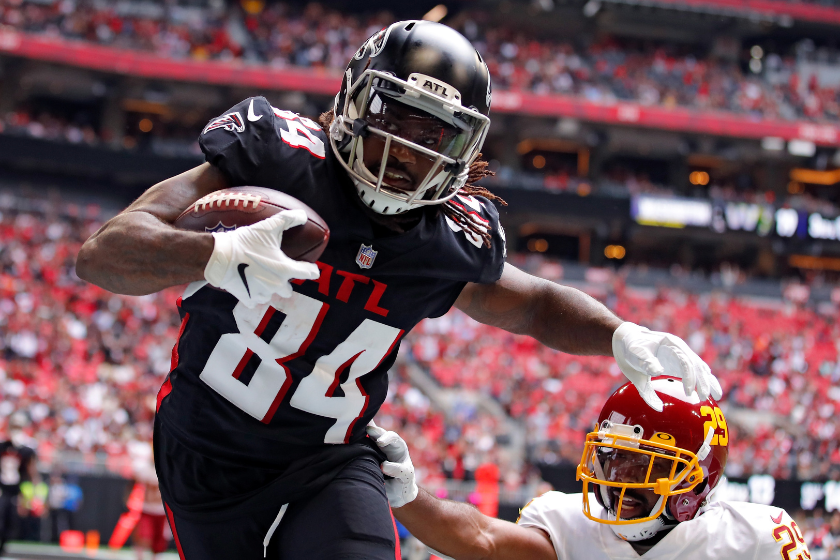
642 354
248 262
401 489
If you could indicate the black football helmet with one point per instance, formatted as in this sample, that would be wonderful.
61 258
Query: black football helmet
424 73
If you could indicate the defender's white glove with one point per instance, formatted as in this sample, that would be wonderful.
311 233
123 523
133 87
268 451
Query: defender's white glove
248 263
402 488
642 354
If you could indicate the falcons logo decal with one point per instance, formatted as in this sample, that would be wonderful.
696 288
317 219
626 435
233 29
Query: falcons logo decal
231 122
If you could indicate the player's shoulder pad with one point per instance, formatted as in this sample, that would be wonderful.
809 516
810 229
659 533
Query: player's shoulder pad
483 213
485 216
252 139
300 133
257 116
250 119
774 531
777 533
236 140
534 511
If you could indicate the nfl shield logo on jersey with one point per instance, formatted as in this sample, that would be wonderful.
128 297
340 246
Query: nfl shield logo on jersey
366 255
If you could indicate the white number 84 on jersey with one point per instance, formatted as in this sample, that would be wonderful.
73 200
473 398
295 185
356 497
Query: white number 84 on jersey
361 352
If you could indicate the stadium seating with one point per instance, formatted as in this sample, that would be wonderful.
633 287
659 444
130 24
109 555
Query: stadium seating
81 367
776 358
606 70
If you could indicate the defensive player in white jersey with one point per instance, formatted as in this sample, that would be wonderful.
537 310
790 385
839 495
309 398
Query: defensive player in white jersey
648 479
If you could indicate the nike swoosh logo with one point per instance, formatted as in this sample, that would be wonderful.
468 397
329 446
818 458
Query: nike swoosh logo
778 520
252 117
241 269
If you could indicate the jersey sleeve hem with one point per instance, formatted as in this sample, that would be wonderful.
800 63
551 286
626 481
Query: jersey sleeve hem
444 308
213 159
527 517
495 264
496 275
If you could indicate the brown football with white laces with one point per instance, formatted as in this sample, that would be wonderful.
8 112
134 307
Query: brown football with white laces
228 209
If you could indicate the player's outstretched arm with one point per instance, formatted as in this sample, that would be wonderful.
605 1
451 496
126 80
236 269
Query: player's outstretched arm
560 317
568 320
455 529
139 252
464 533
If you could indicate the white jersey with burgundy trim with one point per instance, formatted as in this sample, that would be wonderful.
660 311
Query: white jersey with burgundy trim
722 531
258 388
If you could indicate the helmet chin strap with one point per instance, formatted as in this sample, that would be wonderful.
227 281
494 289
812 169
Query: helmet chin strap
633 531
644 530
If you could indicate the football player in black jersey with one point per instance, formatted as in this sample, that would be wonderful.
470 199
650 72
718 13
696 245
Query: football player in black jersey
260 439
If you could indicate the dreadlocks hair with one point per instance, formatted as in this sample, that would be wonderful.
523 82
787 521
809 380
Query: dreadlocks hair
455 211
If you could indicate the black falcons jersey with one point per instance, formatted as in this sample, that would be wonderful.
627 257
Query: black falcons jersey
262 387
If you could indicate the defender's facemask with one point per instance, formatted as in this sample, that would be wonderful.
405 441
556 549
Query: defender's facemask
620 463
423 140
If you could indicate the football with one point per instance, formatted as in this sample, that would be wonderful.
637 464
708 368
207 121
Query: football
228 209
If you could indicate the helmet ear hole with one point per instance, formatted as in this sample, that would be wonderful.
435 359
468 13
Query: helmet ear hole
701 487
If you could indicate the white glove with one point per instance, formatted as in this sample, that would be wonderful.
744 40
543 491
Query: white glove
248 263
642 354
402 488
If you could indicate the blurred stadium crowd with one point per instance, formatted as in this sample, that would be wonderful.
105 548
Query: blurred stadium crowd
49 127
776 358
605 70
81 367
760 84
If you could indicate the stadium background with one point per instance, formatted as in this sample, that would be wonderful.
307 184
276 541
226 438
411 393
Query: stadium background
677 159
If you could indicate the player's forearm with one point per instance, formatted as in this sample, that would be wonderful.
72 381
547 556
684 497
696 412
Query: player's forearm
135 253
455 529
560 317
571 321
